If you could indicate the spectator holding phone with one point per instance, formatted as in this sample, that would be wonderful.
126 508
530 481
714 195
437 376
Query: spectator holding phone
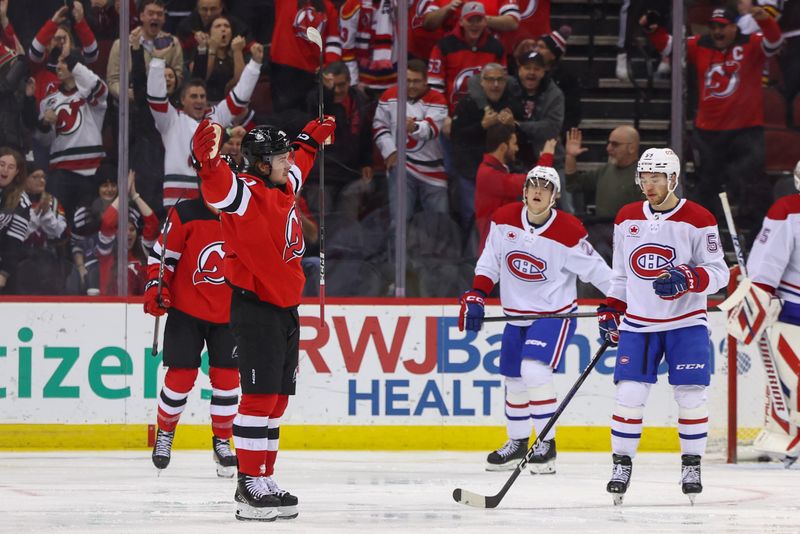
152 14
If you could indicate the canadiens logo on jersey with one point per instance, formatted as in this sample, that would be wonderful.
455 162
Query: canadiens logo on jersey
649 260
209 265
526 267
722 80
295 245
306 18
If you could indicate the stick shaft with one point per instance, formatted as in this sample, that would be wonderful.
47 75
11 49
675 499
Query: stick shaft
321 200
506 318
737 246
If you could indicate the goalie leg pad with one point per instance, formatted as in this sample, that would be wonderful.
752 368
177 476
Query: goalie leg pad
692 418
785 341
756 311
518 419
626 423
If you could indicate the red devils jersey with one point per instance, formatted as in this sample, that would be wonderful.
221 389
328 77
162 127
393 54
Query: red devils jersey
729 89
291 47
261 227
193 264
453 62
534 21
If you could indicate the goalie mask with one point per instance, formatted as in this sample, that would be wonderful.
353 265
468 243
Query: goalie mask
540 176
260 144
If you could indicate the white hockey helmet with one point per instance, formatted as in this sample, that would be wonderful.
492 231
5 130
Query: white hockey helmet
662 160
541 173
797 176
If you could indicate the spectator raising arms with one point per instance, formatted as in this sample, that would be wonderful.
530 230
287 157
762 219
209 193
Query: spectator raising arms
201 20
12 74
219 58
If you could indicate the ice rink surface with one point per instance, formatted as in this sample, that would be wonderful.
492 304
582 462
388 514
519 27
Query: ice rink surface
119 492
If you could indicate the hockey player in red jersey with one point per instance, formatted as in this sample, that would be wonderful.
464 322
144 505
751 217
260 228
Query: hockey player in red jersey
535 253
667 259
197 298
263 249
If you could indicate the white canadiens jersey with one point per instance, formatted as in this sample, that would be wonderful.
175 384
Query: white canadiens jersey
647 243
537 267
775 258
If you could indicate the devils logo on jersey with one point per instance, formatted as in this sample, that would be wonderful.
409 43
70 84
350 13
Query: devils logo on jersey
295 245
649 260
529 10
721 80
306 18
69 117
526 267
209 265
460 87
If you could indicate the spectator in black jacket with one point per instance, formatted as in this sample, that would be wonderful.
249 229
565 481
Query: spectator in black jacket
200 22
348 161
12 80
15 214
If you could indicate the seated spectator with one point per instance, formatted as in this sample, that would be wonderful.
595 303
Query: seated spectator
348 161
152 37
489 102
55 41
84 279
426 110
70 122
463 53
43 266
218 59
495 184
200 22
295 59
142 234
15 209
12 93
177 128
609 187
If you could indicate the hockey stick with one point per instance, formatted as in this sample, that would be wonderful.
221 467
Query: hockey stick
314 36
504 318
774 393
167 227
469 498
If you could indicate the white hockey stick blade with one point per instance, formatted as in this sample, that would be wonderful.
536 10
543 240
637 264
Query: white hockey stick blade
469 498
313 35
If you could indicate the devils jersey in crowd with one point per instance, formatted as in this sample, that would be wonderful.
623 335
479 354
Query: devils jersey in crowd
534 21
537 266
262 224
645 244
290 45
774 262
193 262
729 81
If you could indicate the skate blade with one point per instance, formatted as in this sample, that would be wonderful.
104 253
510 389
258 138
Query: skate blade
548 468
618 498
225 471
508 466
287 512
691 497
245 512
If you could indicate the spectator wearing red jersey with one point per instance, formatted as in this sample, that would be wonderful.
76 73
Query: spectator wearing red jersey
462 54
501 15
12 96
295 59
729 126
8 36
534 21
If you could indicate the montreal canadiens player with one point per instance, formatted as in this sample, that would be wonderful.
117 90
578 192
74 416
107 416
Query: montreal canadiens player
197 298
774 266
667 259
535 252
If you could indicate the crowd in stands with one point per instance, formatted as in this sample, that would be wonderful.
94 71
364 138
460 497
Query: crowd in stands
489 95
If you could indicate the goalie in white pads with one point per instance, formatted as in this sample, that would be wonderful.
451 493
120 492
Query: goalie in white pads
535 252
774 267
667 258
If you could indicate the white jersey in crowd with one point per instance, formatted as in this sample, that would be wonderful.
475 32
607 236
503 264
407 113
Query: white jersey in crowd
537 266
76 141
775 258
177 128
647 243
424 156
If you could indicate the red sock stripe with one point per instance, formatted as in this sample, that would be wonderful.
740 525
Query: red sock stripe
542 402
222 426
620 419
692 421
516 405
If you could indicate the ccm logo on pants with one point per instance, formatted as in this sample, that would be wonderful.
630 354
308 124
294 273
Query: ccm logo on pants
689 366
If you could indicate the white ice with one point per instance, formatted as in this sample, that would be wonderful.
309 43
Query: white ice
349 492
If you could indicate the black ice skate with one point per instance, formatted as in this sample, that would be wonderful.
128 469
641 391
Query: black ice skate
224 457
288 506
506 457
544 458
789 461
162 450
690 476
620 477
253 500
